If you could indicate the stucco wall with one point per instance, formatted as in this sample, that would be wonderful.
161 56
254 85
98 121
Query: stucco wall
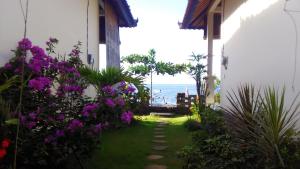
259 40
112 37
62 19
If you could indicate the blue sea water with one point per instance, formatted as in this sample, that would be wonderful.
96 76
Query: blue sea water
166 93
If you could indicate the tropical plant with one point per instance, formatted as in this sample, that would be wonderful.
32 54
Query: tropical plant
108 76
213 148
241 115
145 65
278 124
263 122
197 69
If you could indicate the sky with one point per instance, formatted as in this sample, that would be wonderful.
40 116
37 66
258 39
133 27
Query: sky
158 28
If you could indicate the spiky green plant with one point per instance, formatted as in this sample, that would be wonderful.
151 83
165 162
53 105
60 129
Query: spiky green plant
241 114
262 121
277 122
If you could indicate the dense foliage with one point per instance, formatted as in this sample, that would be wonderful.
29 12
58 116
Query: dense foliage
48 121
212 147
256 131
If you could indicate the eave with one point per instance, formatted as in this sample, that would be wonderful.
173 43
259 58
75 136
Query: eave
195 16
124 13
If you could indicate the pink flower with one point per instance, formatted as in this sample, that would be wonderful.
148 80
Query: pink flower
25 44
97 128
120 101
110 102
7 66
108 90
40 83
37 51
75 125
127 117
89 108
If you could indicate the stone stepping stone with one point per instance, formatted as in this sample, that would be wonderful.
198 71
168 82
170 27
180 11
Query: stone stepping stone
155 166
159 136
158 129
159 133
154 157
162 122
161 125
159 141
159 148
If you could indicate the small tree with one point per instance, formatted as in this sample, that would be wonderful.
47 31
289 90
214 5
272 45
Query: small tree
197 70
145 65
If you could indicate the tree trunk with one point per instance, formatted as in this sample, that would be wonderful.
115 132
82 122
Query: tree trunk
198 86
151 89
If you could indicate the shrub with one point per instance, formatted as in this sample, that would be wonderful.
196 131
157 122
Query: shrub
213 147
263 122
55 123
192 125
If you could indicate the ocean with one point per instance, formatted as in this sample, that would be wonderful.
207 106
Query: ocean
166 93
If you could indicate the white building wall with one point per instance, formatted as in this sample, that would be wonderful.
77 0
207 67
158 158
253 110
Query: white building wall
61 19
260 42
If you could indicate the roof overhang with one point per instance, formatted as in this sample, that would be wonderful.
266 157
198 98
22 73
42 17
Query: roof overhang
124 13
195 16
196 13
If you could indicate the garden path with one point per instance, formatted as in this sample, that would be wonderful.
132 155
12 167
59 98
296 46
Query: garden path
159 144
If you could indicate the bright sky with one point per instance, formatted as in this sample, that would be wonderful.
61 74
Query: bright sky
158 28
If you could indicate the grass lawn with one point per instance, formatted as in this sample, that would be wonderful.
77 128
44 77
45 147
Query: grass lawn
128 148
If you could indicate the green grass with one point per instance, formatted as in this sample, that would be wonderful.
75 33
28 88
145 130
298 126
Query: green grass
128 148
177 137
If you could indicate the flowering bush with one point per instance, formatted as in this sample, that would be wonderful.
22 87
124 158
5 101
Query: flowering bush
115 99
57 122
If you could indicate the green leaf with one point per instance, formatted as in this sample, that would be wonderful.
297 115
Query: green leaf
12 121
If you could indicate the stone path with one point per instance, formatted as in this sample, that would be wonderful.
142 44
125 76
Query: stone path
159 145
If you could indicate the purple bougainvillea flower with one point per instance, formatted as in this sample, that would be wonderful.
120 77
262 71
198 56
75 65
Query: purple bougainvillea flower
75 125
7 66
88 108
59 133
108 90
40 83
31 124
130 89
35 65
23 119
85 114
120 101
49 139
32 115
25 44
127 117
97 128
122 84
72 88
110 102
37 51
36 84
